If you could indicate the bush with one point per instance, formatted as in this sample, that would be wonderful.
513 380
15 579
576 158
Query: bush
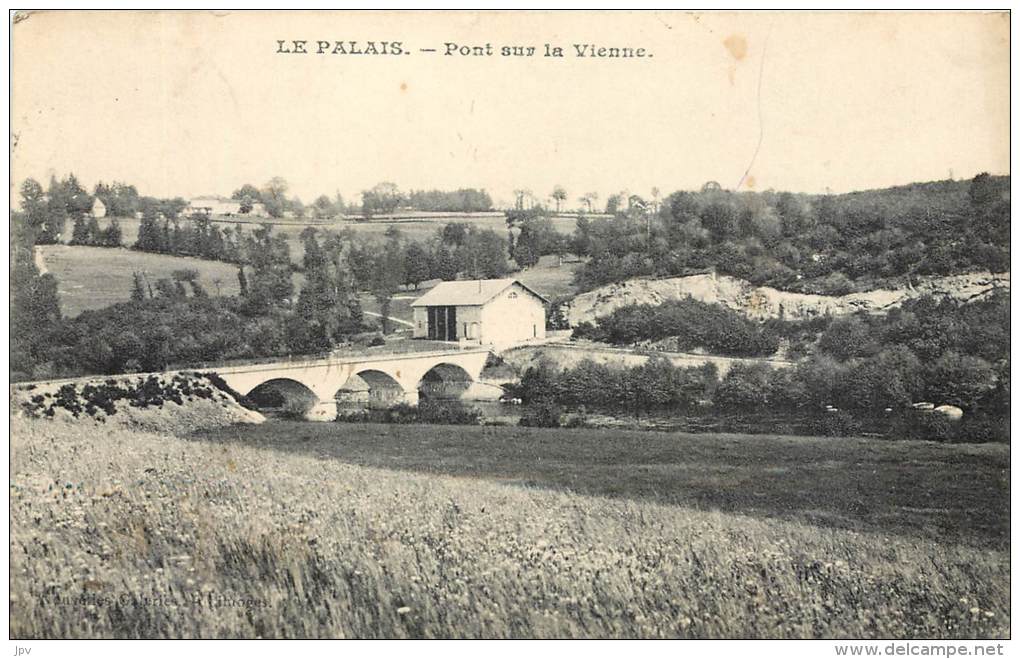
434 412
926 426
980 428
745 386
543 415
838 424
293 410
447 412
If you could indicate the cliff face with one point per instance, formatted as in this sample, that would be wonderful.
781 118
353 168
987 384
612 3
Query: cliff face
763 302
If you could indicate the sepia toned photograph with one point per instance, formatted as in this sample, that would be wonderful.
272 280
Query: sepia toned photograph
478 324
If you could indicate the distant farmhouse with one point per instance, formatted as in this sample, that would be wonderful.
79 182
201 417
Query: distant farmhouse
486 311
219 206
98 208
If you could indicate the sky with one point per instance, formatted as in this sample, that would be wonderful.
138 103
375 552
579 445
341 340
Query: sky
197 103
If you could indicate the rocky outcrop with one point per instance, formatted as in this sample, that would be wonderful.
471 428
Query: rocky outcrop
764 302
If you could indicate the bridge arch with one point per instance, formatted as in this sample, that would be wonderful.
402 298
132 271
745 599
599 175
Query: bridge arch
283 394
370 388
444 381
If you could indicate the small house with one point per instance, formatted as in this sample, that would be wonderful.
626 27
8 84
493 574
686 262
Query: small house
486 311
98 208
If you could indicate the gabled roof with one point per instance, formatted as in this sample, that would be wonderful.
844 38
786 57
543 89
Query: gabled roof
472 292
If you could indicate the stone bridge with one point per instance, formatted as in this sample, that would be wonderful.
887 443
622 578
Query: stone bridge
379 380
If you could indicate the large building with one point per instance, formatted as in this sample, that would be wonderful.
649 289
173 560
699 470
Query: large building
486 311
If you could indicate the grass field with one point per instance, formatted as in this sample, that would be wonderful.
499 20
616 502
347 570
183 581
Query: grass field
270 534
96 277
934 491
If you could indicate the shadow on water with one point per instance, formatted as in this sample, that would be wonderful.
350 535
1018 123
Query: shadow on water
949 493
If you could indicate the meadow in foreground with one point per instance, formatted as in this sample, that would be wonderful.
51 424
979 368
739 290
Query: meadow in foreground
125 534
938 491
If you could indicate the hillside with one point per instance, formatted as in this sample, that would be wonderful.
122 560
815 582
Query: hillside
763 302
92 278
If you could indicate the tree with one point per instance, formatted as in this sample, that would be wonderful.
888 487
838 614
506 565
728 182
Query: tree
416 265
172 208
247 193
892 378
453 233
960 380
651 385
323 208
57 202
526 250
385 197
166 289
80 232
34 308
443 263
719 216
137 290
387 276
271 282
150 235
559 195
537 238
242 281
613 203
984 190
274 196
847 337
33 203
538 384
746 386
589 199
120 199
484 254
79 201
112 235
94 232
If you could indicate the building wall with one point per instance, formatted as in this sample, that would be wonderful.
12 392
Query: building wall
469 322
508 320
503 320
421 323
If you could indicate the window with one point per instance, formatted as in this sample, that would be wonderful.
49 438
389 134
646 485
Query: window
512 296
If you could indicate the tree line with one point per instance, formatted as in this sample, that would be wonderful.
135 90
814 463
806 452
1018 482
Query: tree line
827 244
862 367
386 197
